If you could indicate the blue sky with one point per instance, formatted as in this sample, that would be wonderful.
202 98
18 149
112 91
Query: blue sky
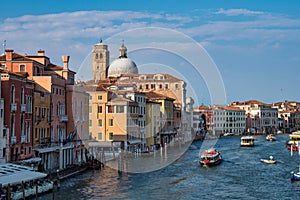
254 44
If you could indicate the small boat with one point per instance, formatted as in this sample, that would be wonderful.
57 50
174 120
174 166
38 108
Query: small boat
210 157
269 161
271 137
247 141
295 176
292 143
228 134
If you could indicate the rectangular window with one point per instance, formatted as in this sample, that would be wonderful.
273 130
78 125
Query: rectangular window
22 68
166 86
147 86
176 86
99 97
100 136
99 109
100 122
119 109
90 122
111 122
110 109
152 86
111 136
90 97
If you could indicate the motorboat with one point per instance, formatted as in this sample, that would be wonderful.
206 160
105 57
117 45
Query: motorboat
210 157
271 137
247 141
295 176
292 143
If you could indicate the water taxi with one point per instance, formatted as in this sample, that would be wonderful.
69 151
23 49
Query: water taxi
292 143
271 137
247 141
210 157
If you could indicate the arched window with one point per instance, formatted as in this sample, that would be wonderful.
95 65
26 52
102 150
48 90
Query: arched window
96 57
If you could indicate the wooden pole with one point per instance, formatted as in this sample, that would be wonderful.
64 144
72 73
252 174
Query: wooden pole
23 189
36 191
8 191
53 192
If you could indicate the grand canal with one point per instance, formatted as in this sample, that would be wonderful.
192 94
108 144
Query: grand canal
240 176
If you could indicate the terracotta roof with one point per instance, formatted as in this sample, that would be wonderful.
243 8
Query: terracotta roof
52 67
233 108
153 95
16 57
148 77
248 102
202 107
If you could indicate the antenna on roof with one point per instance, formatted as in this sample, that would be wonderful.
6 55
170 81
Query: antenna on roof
4 46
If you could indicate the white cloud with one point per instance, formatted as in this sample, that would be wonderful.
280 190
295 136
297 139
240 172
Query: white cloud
236 12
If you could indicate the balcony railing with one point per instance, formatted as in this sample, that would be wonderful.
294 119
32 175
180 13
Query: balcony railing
23 107
63 118
13 107
13 140
23 139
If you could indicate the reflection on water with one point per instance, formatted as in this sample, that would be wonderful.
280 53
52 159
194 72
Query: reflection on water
240 176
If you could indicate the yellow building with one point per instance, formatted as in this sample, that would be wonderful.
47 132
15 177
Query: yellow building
153 120
167 130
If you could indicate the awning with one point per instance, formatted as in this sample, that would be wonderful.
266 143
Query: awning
32 160
13 174
46 150
119 138
99 144
134 141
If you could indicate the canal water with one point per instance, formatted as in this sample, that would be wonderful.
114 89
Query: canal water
240 176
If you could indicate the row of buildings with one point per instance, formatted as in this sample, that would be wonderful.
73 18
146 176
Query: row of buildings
249 117
48 117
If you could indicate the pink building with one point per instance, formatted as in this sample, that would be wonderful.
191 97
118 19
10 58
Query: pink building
17 92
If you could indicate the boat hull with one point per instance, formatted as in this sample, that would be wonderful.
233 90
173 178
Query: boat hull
295 176
210 164
291 146
247 145
268 161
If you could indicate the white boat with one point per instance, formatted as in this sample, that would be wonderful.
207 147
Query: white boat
268 161
292 143
247 141
271 137
210 157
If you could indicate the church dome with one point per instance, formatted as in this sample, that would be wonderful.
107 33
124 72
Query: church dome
122 65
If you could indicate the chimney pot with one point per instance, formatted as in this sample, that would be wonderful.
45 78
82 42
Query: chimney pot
66 61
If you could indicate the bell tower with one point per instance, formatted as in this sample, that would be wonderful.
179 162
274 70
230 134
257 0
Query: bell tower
100 61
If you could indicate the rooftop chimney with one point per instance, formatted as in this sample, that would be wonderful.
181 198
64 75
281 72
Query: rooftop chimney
66 61
8 54
41 52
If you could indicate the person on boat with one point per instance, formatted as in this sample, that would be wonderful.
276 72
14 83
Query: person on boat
271 157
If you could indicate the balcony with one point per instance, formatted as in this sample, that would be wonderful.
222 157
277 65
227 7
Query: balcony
13 107
23 107
13 140
63 118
